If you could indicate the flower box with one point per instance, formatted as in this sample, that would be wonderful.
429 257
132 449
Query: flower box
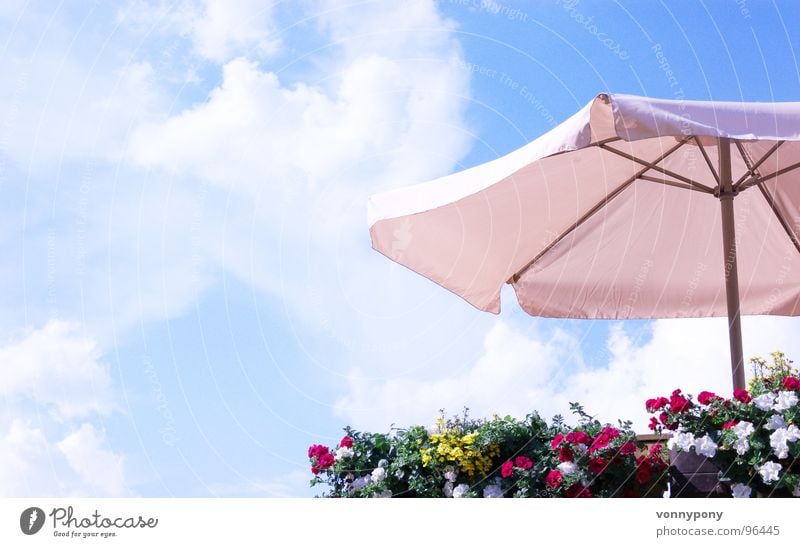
694 476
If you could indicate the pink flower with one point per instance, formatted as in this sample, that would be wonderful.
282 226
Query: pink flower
742 395
628 448
557 440
346 442
596 465
317 450
523 462
706 397
678 403
792 383
652 405
553 479
325 461
565 454
612 432
729 425
600 442
578 437
507 469
653 423
655 450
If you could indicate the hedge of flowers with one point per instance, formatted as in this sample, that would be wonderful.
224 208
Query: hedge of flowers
751 437
462 457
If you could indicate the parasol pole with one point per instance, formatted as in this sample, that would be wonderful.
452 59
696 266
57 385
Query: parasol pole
726 195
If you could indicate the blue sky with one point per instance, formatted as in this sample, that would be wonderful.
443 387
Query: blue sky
190 298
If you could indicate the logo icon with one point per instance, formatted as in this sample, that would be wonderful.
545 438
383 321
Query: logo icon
31 520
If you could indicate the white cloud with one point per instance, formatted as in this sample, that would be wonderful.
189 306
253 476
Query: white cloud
58 368
519 373
52 383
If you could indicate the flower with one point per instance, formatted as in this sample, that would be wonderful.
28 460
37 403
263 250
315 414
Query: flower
769 472
705 446
317 450
448 489
776 421
729 424
683 440
742 445
785 401
790 382
796 491
743 429
557 440
460 490
567 468
523 462
655 404
781 437
507 469
653 423
655 450
378 474
554 479
565 454
600 442
346 442
450 473
764 401
642 475
493 491
741 490
706 397
325 461
577 490
742 395
578 437
678 403
344 452
664 418
596 465
627 448
611 432
383 494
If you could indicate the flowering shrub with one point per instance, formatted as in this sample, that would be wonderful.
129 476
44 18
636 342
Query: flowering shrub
501 457
751 437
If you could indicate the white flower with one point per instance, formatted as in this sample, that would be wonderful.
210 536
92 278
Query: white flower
705 446
448 489
765 401
378 474
450 474
793 433
344 452
785 401
769 472
435 428
776 421
682 440
741 446
743 429
492 491
383 463
796 491
360 483
741 490
567 468
384 494
581 448
460 490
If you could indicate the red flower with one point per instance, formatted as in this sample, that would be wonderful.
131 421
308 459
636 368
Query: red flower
612 432
742 395
315 469
729 425
317 450
706 397
790 382
678 403
346 442
507 469
565 454
523 462
643 475
578 437
628 448
663 417
596 465
655 450
578 491
557 440
651 405
653 423
553 479
325 461
600 442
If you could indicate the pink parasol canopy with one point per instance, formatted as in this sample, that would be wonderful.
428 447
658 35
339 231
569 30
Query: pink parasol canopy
633 208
